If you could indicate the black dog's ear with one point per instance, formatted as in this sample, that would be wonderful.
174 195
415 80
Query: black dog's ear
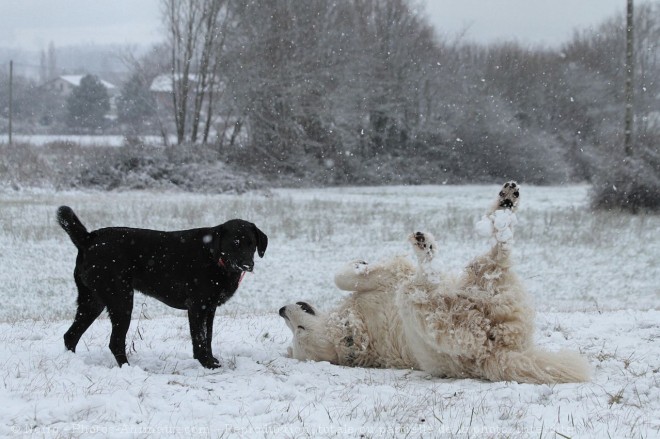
262 241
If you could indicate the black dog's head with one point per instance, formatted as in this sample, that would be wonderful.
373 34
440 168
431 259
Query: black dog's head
232 244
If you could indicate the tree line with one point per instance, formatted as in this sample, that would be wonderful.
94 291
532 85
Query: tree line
362 88
365 91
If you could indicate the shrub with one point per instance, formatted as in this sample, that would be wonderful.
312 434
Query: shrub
133 166
191 168
632 185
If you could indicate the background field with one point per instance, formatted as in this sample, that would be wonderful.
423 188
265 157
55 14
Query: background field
594 278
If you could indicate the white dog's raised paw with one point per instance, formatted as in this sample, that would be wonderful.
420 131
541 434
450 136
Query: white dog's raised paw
509 196
501 219
424 245
360 267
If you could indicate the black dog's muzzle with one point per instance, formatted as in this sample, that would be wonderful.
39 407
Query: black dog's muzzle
235 266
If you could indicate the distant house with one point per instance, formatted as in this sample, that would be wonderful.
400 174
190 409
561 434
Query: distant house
63 85
162 86
162 90
164 83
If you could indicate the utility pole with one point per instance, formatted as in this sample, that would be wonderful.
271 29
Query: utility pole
11 80
630 70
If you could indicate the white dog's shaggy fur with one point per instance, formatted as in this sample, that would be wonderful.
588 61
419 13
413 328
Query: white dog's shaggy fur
404 315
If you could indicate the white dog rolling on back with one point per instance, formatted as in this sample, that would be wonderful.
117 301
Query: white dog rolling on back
404 315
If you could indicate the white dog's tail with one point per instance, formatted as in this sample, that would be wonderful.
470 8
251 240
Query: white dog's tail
360 276
538 367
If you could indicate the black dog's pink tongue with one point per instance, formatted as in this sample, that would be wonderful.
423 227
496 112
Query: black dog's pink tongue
221 263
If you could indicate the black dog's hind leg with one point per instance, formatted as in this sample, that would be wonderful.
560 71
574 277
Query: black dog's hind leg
120 316
200 318
89 308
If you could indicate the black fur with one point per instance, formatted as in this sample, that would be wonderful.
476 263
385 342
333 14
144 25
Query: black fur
196 270
306 307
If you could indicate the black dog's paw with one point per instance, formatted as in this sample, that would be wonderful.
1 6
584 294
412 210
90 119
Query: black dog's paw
209 362
509 196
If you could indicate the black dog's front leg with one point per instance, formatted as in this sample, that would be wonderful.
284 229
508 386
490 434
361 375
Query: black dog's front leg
209 334
200 318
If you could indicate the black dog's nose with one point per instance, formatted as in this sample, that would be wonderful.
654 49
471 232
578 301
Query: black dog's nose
247 267
283 312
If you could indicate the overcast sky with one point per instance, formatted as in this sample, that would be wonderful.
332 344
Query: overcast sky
32 24
535 22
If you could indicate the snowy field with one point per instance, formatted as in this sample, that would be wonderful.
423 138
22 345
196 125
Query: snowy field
595 279
82 140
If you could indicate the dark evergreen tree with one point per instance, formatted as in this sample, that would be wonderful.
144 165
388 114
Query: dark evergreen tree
88 104
135 104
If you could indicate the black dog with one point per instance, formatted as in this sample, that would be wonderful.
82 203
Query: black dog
196 269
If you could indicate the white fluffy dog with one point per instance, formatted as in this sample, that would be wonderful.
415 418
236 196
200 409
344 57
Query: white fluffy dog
402 315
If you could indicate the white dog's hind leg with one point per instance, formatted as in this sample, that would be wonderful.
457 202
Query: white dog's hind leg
490 276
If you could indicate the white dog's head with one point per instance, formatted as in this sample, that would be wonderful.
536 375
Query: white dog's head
311 337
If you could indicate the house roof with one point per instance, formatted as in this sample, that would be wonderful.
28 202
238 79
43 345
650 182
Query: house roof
163 83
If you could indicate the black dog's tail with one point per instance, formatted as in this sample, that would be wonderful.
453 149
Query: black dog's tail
72 226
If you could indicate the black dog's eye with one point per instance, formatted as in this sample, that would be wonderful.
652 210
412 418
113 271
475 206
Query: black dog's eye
301 327
305 307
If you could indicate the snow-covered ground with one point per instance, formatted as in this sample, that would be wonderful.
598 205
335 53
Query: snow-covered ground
594 277
82 140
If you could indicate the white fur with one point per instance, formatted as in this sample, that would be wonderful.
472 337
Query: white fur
478 324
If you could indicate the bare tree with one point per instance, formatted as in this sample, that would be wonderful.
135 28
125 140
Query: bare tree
324 80
182 18
196 35
216 17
